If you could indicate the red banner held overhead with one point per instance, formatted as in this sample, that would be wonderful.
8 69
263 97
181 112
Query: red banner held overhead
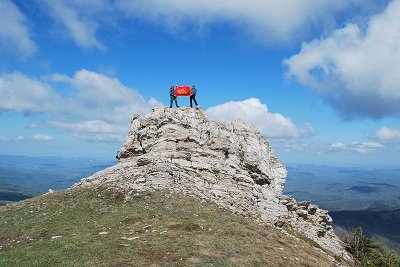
182 90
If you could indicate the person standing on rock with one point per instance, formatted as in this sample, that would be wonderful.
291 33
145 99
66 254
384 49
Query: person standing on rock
173 97
193 92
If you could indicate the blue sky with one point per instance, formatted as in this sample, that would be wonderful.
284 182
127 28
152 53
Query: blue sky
319 79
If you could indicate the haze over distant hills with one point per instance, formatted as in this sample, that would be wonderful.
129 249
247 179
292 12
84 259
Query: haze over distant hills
332 188
23 177
350 194
366 197
345 188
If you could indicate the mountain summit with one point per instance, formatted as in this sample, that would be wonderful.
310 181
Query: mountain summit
230 164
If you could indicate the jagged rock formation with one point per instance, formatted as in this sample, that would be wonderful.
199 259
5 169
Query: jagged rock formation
228 163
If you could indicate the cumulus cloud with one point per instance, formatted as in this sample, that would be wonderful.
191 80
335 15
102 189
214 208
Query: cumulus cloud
21 93
96 130
89 95
297 145
87 103
323 148
15 36
252 111
315 147
96 126
388 135
365 147
97 96
99 137
337 146
355 70
19 138
42 138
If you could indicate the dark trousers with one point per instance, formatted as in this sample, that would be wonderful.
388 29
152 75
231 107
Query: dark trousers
193 98
173 99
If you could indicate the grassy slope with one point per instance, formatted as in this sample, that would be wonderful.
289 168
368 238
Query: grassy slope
152 229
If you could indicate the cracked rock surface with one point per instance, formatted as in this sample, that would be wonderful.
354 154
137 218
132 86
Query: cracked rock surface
230 164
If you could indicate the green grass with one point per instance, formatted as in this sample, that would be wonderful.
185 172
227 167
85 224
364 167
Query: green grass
97 227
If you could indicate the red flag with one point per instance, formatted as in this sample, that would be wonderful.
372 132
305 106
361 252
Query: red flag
182 90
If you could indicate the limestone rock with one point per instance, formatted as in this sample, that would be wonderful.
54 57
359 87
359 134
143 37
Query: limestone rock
230 164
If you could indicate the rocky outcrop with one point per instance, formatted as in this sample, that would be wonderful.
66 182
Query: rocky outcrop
230 164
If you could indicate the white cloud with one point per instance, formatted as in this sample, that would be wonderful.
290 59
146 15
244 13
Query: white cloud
388 135
80 19
19 138
93 130
99 97
90 95
95 105
337 146
100 137
4 138
252 111
15 36
43 138
355 70
296 145
23 94
96 126
365 147
323 148
266 20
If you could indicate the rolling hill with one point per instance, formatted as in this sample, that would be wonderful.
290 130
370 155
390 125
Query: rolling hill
98 227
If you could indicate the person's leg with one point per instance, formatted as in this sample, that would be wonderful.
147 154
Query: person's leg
170 102
176 102
195 101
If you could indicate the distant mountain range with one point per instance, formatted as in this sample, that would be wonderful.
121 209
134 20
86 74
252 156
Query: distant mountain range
338 188
354 196
384 225
24 177
332 188
369 198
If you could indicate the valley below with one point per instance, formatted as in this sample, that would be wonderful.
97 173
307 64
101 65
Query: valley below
364 197
369 198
